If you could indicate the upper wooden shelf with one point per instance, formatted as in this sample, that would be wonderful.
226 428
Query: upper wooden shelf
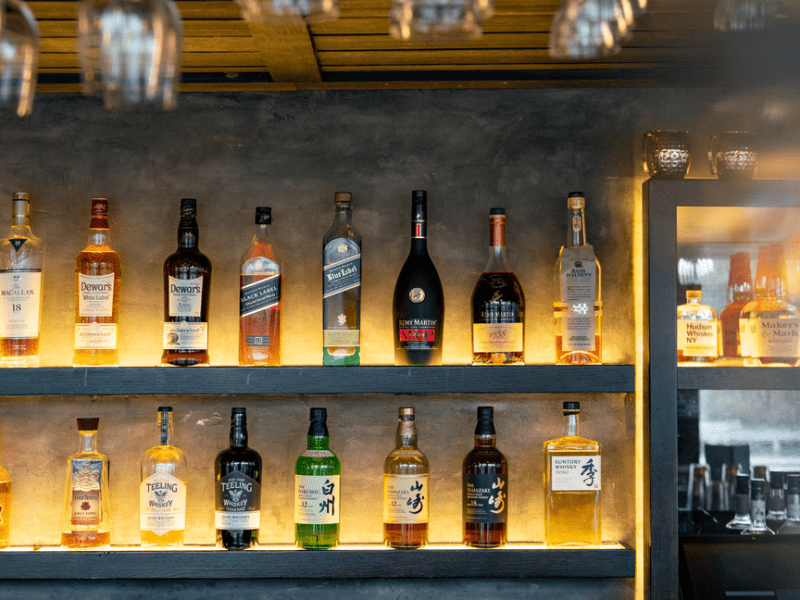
318 380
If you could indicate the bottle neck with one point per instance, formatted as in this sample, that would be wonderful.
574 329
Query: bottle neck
497 246
419 228
571 425
742 292
694 296
239 432
742 505
99 234
576 228
262 233
318 442
19 215
88 442
406 433
165 429
485 441
188 234
344 213
770 286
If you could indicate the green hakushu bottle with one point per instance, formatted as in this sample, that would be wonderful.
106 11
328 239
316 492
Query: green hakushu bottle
317 489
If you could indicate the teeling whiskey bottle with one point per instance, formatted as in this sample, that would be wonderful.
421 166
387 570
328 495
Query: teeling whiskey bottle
187 288
98 277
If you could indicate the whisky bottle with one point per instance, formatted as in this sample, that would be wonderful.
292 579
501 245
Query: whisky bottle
740 292
776 497
187 287
98 276
418 308
260 298
758 510
577 309
792 524
21 265
406 489
86 518
485 487
571 486
341 287
498 304
741 503
162 491
770 324
237 472
317 489
697 330
5 507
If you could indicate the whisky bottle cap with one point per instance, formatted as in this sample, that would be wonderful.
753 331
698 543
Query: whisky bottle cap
485 413
188 207
319 415
419 195
342 197
572 408
793 480
742 483
497 211
164 409
776 479
406 411
263 215
21 196
88 424
99 206
238 411
576 200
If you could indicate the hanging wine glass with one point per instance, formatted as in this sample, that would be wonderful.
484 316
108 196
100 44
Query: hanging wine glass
581 29
130 51
438 20
288 12
19 56
741 15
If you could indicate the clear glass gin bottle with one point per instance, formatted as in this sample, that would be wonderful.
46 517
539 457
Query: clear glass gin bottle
758 510
792 524
741 503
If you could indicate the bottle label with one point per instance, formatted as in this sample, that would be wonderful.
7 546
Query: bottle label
405 498
162 504
341 337
417 334
342 269
575 473
95 295
185 296
95 336
20 304
697 338
793 507
85 478
744 337
497 337
578 279
259 295
185 336
758 510
238 499
485 498
774 337
316 499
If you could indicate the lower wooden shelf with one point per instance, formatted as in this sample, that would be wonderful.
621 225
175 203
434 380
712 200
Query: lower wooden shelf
348 562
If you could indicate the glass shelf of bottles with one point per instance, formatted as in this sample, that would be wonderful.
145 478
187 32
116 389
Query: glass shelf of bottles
352 562
319 380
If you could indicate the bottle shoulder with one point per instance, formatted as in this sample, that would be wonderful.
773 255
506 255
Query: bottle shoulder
235 454
572 443
405 462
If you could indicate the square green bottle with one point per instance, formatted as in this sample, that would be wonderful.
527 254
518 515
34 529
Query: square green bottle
317 489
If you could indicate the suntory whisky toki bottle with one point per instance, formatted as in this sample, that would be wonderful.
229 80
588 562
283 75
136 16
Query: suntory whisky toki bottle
86 518
341 287
572 486
740 292
485 487
406 489
577 308
418 309
162 491
498 304
98 277
260 299
21 265
237 472
5 507
697 330
187 288
317 489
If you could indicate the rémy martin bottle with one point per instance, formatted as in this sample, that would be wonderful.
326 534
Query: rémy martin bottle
317 489
98 277
498 304
341 287
260 298
162 491
577 308
237 472
418 309
406 488
86 502
485 487
187 288
21 266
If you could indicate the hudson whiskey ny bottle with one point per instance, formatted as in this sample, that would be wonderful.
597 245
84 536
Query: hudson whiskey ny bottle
317 489
697 330
187 288
21 265
162 491
406 488
86 518
98 277
260 298
341 287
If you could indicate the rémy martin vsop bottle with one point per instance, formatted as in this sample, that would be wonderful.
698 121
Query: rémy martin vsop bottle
187 289
577 309
260 298
86 502
98 277
237 471
498 304
162 491
317 489
418 309
21 265
341 287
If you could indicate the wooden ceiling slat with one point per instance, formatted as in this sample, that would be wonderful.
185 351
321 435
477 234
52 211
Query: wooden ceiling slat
191 28
287 52
195 9
219 60
192 44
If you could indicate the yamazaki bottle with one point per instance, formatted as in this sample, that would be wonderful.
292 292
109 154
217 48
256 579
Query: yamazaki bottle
418 310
